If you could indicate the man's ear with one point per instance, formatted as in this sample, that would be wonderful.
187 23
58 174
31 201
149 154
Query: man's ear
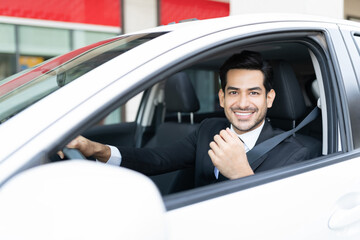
221 97
270 97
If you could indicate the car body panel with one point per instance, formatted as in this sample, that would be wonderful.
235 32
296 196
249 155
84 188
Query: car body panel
297 207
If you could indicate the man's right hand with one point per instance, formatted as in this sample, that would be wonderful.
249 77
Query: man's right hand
228 155
89 148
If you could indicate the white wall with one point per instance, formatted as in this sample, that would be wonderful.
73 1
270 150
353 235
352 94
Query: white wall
328 8
139 14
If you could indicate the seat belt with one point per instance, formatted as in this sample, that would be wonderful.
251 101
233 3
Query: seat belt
254 155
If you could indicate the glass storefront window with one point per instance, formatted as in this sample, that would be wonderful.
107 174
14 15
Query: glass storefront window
40 41
7 50
84 38
7 39
22 47
7 65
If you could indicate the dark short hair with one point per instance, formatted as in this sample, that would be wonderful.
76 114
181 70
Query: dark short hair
247 60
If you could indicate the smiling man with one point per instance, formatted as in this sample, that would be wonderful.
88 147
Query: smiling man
217 149
245 99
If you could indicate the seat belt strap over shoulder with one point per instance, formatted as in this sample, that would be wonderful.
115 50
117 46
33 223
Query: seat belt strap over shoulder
254 155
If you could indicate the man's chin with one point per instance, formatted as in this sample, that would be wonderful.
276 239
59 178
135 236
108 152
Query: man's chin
243 129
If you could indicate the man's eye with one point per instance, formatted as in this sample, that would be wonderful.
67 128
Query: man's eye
232 92
254 93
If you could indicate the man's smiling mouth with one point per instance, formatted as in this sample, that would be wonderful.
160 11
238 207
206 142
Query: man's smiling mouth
243 113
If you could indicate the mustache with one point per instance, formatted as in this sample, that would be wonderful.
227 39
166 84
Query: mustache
244 109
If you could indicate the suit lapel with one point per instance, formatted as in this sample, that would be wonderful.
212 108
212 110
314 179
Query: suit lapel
266 133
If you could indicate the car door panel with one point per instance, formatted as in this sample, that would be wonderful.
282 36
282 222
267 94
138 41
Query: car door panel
311 207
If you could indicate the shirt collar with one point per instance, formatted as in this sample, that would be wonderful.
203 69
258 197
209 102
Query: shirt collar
251 137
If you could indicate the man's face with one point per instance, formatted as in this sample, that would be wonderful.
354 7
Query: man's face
245 101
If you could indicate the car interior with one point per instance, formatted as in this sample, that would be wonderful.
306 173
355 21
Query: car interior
174 107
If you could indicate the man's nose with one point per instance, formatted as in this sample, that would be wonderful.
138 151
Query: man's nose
243 101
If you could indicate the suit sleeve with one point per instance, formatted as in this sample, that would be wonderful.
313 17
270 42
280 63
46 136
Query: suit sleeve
151 161
298 156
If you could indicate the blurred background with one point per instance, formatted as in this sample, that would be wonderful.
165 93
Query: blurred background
34 31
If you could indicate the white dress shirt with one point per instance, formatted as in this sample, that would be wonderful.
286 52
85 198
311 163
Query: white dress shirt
115 157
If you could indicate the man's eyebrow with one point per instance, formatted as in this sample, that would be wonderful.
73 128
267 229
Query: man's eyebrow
255 88
232 88
249 89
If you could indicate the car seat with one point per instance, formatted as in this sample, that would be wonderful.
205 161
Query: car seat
180 98
289 106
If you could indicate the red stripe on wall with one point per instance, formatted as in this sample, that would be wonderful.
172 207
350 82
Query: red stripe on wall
174 10
107 12
100 12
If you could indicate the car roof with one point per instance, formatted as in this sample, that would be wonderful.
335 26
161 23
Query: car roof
242 20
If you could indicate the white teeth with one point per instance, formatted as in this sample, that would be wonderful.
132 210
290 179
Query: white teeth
242 114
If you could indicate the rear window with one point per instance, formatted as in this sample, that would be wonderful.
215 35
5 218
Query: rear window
22 90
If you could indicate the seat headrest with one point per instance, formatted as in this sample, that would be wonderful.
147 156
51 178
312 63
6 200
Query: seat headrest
289 103
180 95
315 89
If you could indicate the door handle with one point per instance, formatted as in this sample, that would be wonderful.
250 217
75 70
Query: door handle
346 217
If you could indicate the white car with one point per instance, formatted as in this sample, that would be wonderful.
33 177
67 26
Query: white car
42 109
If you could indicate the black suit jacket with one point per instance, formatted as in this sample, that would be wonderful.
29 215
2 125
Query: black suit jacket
192 151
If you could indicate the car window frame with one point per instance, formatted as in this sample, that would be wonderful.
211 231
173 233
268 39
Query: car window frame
349 33
181 199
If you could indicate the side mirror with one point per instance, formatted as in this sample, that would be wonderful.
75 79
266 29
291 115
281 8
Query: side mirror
80 199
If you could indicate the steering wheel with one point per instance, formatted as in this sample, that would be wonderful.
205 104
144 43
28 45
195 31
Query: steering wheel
73 153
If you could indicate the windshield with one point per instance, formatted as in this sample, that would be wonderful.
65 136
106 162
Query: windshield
22 90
